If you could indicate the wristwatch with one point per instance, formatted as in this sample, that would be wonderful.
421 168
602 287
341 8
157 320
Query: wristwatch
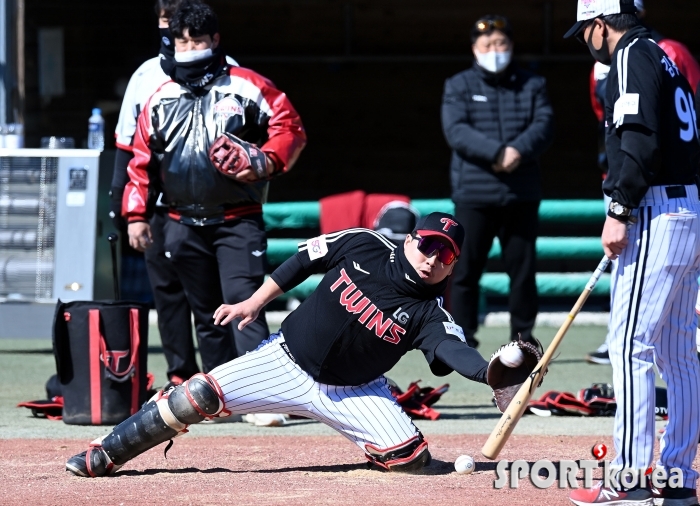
618 211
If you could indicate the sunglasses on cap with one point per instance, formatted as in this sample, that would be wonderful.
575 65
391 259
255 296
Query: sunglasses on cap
430 246
484 25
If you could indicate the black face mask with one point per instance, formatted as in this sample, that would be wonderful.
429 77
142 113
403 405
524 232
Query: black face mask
167 51
195 75
603 54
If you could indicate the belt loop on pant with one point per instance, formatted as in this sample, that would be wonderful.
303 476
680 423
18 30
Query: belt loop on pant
676 192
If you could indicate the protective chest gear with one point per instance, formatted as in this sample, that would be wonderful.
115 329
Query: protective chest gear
494 61
506 381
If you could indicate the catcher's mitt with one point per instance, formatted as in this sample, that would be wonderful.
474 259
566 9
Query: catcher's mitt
505 381
231 155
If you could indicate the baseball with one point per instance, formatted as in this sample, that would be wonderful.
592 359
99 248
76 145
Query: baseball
512 356
464 464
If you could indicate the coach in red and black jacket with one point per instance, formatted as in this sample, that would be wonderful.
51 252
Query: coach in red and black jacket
216 236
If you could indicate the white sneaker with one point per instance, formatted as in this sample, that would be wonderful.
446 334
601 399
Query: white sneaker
265 419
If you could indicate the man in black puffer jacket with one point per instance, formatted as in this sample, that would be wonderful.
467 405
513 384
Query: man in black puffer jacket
498 120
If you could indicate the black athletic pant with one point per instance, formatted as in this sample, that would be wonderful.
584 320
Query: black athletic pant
174 318
515 226
219 264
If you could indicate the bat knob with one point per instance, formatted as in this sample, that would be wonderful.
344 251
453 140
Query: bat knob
112 238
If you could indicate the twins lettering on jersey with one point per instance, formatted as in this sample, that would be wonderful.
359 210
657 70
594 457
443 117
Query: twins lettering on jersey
352 299
226 108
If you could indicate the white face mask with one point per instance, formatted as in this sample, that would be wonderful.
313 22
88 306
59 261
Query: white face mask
194 55
492 61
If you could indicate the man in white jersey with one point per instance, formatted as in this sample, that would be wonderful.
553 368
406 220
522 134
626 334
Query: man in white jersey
652 233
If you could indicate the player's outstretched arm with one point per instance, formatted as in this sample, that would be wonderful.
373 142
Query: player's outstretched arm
465 360
249 309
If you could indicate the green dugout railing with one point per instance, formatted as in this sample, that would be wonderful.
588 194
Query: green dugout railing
305 214
292 215
548 248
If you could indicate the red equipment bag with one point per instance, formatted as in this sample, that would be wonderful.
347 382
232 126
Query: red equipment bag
101 349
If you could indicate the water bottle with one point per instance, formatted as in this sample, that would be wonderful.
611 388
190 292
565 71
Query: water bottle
96 130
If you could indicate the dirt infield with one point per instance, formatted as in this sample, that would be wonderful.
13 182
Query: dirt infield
303 462
277 470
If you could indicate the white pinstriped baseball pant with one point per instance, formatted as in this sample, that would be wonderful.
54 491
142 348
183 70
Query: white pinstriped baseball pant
267 380
654 288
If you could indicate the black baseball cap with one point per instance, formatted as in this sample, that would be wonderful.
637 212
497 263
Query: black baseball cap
591 9
395 220
441 225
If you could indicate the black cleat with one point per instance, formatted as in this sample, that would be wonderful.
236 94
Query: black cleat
91 463
77 465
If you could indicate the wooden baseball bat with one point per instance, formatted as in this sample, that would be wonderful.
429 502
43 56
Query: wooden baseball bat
511 416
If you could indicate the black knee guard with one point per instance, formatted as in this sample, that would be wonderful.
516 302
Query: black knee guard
200 397
408 456
162 418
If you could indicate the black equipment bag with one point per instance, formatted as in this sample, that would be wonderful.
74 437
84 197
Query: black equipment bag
101 349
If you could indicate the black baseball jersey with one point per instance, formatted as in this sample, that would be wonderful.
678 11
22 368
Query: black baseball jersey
369 310
651 127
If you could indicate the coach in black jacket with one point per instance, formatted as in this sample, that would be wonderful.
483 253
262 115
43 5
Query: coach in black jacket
498 120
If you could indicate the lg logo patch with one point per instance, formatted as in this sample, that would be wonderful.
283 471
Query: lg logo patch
401 317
